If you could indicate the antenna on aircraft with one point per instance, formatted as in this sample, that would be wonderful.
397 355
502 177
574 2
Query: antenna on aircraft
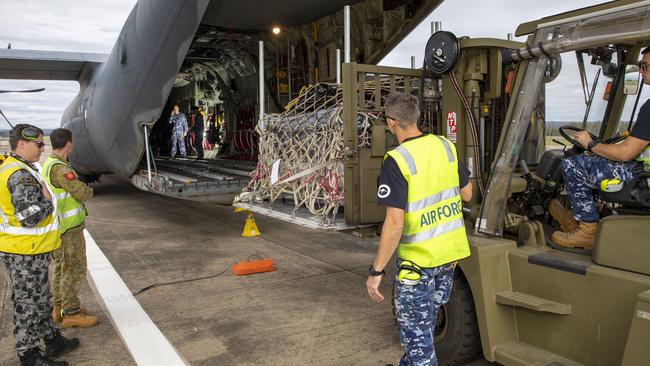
23 91
17 91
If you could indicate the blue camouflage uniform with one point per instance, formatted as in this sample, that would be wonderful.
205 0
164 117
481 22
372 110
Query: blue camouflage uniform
28 274
583 174
417 306
416 309
179 129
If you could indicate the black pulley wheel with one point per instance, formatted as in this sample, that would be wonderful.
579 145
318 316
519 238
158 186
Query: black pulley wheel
441 52
563 131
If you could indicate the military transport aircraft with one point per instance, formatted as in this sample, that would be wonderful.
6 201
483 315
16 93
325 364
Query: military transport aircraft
201 52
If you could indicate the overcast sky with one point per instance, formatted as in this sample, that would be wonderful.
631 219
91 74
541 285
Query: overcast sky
93 26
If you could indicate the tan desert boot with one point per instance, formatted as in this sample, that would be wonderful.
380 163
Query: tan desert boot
562 215
81 320
56 314
583 237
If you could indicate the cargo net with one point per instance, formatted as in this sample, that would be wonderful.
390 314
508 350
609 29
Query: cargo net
301 150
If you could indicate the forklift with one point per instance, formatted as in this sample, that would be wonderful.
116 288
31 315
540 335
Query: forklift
519 299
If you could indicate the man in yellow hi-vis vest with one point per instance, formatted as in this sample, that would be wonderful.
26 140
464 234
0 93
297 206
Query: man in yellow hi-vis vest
70 259
28 235
422 184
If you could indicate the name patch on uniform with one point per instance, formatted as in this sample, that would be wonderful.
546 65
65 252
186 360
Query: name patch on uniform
69 176
29 181
440 213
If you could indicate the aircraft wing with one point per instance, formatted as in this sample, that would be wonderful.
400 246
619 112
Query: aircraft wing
46 65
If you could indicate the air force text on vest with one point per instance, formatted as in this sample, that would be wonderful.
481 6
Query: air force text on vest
440 213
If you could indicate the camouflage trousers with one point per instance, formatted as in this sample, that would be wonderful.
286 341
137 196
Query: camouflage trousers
178 139
31 299
416 309
69 270
583 173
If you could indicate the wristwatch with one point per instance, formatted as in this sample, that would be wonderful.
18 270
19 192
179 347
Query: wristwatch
372 272
592 144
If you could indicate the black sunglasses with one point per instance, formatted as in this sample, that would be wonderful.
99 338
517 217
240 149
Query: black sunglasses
40 144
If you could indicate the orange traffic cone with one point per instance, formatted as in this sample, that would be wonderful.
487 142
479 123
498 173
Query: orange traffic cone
250 228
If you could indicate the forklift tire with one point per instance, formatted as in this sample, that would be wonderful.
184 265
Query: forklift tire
457 338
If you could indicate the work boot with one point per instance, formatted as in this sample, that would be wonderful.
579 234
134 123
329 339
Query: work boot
80 319
583 237
562 215
56 313
34 358
58 345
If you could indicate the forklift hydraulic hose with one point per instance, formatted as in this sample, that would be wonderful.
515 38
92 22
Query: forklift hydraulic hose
472 125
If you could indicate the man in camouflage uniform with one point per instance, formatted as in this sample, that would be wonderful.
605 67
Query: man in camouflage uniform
422 183
70 259
28 234
584 173
179 131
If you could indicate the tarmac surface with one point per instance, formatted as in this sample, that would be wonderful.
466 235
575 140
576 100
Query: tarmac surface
312 310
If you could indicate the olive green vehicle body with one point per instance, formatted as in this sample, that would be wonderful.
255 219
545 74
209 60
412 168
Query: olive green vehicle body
534 305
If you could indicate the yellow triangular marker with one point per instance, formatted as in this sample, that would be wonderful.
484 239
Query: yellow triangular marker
250 228
238 209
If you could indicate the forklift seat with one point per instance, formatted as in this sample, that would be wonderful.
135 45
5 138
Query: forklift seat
635 194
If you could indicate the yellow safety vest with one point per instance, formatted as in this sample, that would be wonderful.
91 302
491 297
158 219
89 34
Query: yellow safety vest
644 157
15 238
72 212
434 230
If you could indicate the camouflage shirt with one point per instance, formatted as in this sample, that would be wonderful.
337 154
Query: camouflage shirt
30 206
179 123
63 176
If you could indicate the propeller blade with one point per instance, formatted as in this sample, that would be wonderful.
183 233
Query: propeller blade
23 91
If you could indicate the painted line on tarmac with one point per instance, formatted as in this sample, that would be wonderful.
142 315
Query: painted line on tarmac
145 341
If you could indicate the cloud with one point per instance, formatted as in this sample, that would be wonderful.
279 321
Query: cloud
55 25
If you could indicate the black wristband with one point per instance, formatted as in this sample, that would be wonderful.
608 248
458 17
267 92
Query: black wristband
592 144
372 272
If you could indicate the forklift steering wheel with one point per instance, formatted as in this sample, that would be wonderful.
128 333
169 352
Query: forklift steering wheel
563 132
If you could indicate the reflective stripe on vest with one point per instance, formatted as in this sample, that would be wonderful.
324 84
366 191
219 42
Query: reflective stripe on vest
434 230
644 157
433 199
450 153
72 212
15 238
408 159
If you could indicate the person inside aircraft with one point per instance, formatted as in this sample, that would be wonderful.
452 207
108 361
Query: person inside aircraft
198 128
583 173
179 130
